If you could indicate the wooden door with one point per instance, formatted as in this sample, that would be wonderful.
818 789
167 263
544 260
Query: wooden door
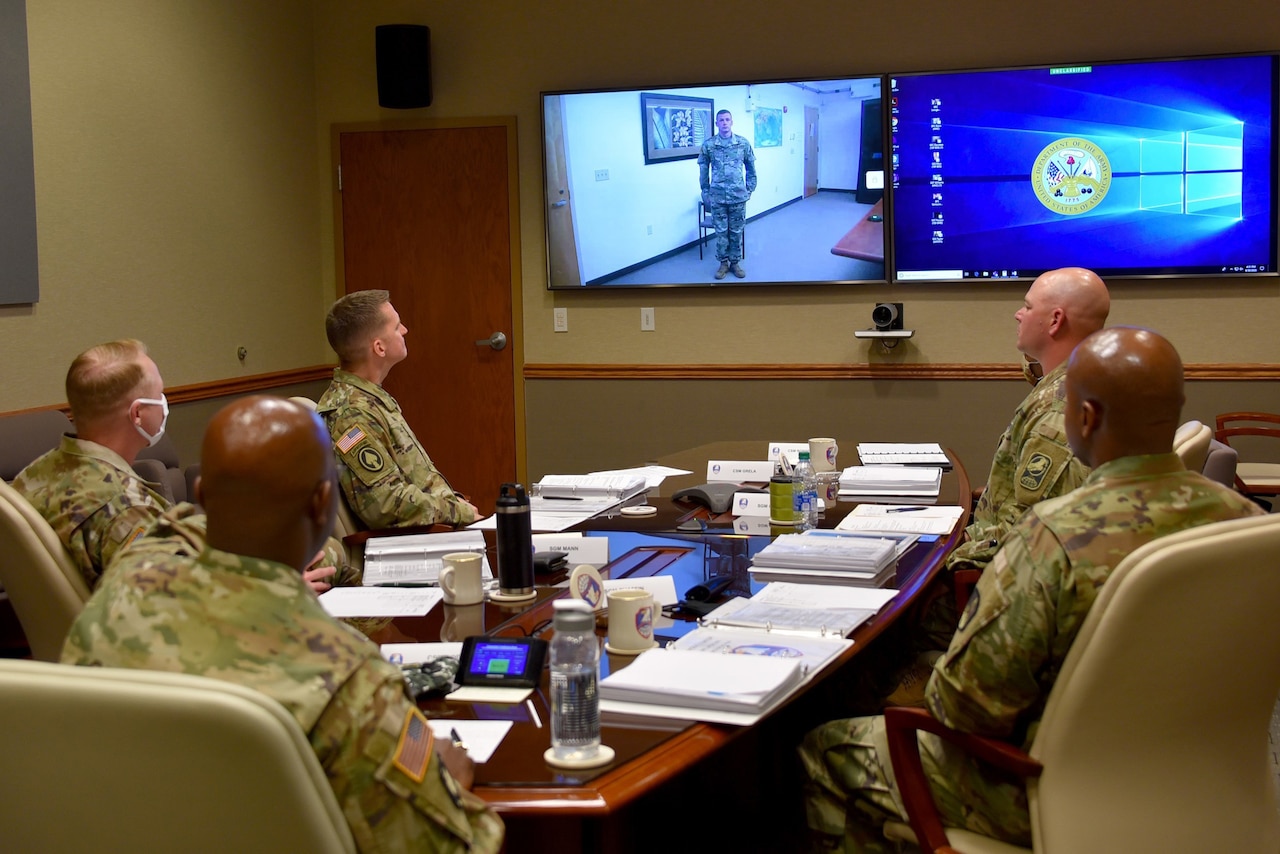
810 151
562 246
431 214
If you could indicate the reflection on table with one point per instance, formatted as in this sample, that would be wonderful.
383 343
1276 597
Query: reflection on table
659 761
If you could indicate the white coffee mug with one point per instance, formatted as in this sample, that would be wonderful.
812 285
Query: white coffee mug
822 454
460 579
631 614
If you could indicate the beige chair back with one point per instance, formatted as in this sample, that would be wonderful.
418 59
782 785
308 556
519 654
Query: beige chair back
1155 737
1191 444
111 760
45 586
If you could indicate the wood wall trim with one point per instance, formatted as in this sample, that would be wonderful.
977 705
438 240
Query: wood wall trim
235 386
550 371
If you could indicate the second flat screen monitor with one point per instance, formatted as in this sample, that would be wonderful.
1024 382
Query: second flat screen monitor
624 206
1134 169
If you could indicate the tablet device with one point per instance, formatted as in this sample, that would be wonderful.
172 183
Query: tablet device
501 662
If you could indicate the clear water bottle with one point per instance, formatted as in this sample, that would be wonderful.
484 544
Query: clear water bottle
806 502
575 676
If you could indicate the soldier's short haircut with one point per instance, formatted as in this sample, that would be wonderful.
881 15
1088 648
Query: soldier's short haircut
353 321
103 377
720 113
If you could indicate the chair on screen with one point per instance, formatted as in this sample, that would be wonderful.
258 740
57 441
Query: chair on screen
1252 478
43 583
107 759
1157 728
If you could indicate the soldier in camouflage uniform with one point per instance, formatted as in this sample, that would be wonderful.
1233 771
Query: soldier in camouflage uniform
1033 460
86 488
386 476
1124 398
727 175
236 608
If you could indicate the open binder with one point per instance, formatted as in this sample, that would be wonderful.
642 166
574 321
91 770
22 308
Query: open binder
616 486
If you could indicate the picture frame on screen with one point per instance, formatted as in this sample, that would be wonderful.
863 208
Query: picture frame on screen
625 208
1135 169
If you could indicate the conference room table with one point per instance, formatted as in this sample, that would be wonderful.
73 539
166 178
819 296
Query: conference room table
725 779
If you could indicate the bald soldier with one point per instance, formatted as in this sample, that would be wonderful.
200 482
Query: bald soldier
240 611
1032 461
86 488
1123 403
385 473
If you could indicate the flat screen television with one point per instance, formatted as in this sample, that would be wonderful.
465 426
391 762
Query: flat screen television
1133 169
623 201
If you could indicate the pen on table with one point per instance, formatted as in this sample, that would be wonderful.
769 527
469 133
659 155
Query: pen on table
457 740
904 509
558 498
406 584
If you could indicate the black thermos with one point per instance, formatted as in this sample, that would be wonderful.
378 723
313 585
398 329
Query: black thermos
515 542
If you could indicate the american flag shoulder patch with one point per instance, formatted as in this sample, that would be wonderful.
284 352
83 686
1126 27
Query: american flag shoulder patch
413 753
350 439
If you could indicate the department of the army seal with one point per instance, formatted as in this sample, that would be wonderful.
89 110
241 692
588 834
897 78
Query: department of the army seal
1071 175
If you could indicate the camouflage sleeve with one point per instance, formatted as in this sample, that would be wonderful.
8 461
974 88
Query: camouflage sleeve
704 169
124 525
987 677
378 753
379 492
749 163
1046 468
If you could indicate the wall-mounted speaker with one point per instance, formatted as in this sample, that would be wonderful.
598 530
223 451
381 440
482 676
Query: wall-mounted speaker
404 65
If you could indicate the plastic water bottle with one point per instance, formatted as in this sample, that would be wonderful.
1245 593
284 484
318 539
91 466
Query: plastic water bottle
575 676
806 505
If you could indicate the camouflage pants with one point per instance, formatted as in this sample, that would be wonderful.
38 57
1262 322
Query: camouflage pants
730 220
850 791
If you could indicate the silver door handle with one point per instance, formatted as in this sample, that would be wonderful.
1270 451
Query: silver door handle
497 341
560 203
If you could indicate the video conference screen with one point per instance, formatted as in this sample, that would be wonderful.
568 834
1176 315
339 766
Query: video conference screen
1153 168
624 202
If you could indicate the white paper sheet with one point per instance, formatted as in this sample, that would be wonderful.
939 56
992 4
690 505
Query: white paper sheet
480 737
380 601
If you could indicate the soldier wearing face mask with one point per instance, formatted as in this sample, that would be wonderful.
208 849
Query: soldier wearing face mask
86 487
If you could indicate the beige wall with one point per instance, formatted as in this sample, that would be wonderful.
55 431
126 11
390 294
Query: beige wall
183 180
176 192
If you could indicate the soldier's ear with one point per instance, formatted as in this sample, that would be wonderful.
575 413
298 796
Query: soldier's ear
322 509
1090 418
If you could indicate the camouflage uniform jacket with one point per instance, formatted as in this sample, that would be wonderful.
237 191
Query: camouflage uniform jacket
256 623
1032 462
1031 601
727 170
386 476
92 499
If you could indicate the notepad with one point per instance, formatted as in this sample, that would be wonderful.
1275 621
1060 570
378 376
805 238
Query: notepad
891 480
694 680
903 453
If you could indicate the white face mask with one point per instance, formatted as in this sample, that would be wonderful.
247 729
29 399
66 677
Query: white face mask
163 403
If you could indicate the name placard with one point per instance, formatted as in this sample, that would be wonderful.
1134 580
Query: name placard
592 550
739 471
751 504
751 525
790 449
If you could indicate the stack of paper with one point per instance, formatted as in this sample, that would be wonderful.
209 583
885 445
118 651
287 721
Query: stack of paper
937 519
789 608
893 480
818 558
417 558
616 486
903 453
694 681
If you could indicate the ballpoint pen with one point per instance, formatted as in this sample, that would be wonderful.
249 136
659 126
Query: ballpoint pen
457 739
904 509
406 584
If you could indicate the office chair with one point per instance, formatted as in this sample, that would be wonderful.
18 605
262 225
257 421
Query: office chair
707 224
1155 735
28 435
159 467
1191 444
107 759
1253 479
45 586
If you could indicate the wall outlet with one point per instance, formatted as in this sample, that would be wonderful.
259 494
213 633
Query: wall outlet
646 320
560 317
602 174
